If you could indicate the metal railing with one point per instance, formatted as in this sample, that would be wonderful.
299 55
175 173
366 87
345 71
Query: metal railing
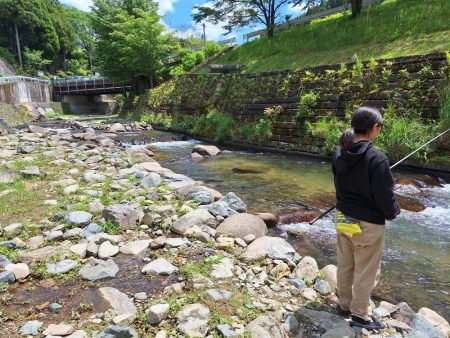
9 79
231 41
309 18
87 85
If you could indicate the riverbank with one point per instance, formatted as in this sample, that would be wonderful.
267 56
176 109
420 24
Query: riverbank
113 237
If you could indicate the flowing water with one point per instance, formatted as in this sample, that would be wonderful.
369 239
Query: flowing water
416 259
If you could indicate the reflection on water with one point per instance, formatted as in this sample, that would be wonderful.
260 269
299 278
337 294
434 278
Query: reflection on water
416 258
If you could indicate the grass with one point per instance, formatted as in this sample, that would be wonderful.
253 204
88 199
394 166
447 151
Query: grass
394 28
23 202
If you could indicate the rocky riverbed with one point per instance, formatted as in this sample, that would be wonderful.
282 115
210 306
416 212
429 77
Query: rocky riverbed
98 240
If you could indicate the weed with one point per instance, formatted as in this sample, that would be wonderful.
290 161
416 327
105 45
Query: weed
263 130
111 227
306 105
11 254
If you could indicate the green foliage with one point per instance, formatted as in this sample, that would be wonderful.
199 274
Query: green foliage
272 113
387 30
211 49
444 111
223 124
33 59
306 106
263 130
403 133
329 129
9 253
189 62
130 40
8 56
111 227
357 69
245 132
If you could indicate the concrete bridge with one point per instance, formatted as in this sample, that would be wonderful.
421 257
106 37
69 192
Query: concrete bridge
81 95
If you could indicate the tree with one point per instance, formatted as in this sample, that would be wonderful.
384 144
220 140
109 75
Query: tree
240 13
356 7
131 45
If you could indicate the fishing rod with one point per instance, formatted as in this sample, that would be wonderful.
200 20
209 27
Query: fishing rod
393 166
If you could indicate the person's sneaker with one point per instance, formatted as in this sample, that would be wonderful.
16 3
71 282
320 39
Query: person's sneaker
373 324
343 313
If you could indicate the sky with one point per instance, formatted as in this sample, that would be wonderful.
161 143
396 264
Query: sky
177 15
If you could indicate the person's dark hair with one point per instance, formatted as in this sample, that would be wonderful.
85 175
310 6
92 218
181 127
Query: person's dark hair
363 120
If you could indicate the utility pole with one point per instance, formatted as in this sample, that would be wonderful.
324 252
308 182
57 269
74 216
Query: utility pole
204 34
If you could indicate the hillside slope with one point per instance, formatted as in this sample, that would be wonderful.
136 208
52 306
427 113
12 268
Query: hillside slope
393 28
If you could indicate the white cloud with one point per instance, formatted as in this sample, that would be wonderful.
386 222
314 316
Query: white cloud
80 4
166 6
296 10
213 31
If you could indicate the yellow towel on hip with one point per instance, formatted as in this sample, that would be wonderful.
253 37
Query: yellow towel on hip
347 225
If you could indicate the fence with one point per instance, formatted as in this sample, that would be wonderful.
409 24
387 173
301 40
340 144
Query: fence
9 79
309 18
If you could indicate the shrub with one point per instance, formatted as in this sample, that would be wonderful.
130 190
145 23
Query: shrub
306 106
8 56
444 112
187 124
329 129
222 124
263 130
245 132
403 134
211 49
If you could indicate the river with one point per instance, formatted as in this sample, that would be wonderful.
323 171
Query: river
416 259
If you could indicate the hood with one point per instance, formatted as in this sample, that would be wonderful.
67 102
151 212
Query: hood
345 159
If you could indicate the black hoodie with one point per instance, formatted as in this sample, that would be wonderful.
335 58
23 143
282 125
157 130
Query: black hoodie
364 183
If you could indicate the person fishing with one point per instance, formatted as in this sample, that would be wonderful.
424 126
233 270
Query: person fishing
365 200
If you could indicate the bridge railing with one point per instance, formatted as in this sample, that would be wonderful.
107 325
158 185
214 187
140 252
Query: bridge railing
87 85
9 79
309 18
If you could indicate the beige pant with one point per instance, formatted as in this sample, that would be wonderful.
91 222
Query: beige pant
358 269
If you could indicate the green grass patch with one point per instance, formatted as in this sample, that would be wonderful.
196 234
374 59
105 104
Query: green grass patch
394 28
111 228
202 267
24 202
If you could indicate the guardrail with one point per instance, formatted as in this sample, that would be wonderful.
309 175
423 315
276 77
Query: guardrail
87 85
231 41
309 18
9 79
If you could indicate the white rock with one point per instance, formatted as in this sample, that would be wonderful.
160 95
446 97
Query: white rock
157 313
106 250
122 305
20 270
159 266
58 330
136 248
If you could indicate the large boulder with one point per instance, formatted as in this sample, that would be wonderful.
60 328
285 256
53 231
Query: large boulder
241 225
126 216
205 150
199 218
436 320
117 127
258 248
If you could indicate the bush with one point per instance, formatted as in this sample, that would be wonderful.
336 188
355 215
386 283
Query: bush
403 134
245 132
187 124
263 130
222 124
8 56
444 112
306 106
211 49
329 129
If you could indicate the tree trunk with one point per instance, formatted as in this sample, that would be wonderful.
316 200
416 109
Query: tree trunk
270 31
90 63
19 52
356 7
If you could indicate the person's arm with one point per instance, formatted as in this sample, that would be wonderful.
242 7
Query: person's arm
383 190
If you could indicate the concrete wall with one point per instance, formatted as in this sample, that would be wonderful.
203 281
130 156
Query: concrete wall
24 92
84 104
